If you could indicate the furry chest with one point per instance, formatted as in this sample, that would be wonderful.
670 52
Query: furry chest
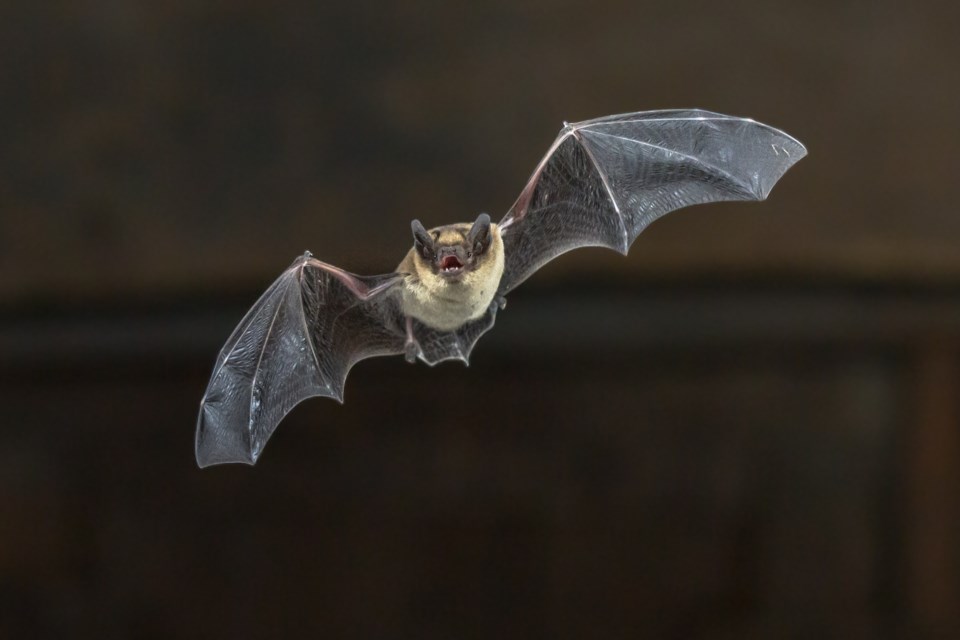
446 307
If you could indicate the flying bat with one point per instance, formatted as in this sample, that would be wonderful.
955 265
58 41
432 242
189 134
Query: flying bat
600 184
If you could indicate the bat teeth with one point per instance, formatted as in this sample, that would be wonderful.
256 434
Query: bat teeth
450 263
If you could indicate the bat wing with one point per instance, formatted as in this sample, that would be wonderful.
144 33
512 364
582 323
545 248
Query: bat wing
299 340
603 181
437 346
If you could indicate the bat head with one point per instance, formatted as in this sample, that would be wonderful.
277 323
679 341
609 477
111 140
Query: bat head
455 249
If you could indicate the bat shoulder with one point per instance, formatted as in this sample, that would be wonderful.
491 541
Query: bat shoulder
409 264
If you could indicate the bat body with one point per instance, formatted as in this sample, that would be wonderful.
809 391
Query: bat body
447 297
600 184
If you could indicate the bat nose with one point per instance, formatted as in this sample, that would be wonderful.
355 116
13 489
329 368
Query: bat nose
451 259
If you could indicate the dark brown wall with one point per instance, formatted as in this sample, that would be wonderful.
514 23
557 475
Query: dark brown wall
762 440
186 144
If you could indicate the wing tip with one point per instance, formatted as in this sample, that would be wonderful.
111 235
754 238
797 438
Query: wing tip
208 451
787 158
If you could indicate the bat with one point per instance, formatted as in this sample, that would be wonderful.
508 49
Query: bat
601 183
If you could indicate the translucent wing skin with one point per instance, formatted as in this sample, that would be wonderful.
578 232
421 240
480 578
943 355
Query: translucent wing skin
438 346
604 180
299 340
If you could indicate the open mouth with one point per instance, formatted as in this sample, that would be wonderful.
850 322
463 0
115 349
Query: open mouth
450 265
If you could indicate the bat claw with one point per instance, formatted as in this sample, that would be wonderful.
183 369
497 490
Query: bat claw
410 351
501 302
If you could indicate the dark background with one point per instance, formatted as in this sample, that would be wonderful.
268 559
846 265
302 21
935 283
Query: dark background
746 429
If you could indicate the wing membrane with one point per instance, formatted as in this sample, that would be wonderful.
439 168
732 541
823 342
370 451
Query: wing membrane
605 180
299 340
439 346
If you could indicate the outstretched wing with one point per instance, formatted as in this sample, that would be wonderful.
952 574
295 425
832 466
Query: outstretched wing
603 181
299 340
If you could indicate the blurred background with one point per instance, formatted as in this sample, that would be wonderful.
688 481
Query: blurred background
749 428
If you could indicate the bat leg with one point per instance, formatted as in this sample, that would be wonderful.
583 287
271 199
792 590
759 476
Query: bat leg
411 348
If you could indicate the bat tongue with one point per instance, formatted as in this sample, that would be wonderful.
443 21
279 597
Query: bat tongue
450 262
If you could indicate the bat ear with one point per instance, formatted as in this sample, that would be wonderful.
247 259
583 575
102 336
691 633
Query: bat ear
422 240
480 231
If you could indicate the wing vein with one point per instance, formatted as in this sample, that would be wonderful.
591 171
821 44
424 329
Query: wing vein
303 321
590 123
606 185
715 117
693 159
256 371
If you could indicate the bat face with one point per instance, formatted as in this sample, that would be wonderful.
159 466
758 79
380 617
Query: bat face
453 251
453 273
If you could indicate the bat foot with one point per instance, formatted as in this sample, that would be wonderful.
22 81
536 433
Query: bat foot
501 302
410 351
411 348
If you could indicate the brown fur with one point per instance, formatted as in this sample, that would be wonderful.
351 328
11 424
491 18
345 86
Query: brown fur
447 305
